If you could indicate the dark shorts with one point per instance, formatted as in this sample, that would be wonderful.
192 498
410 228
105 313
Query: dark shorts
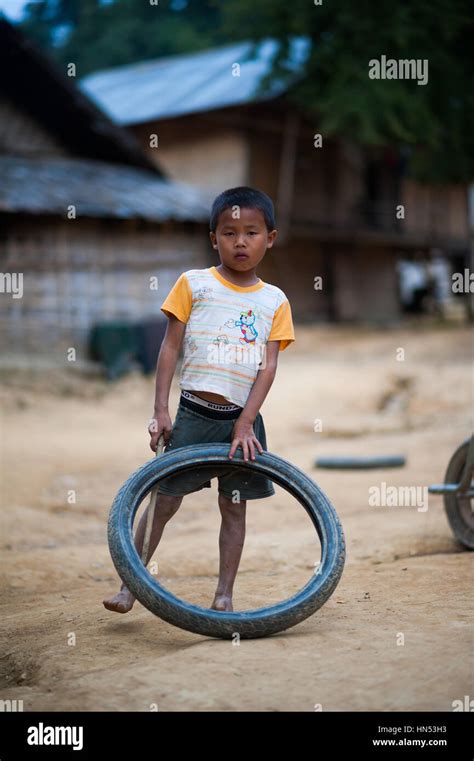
196 427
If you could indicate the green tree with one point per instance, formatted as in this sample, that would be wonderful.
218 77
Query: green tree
95 34
434 122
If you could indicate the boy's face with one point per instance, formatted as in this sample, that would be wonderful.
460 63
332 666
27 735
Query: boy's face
242 242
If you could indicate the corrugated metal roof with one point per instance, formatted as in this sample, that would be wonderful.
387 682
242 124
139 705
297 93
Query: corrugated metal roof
96 189
188 83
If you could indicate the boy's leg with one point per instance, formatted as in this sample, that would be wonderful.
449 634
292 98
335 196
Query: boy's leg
166 506
231 543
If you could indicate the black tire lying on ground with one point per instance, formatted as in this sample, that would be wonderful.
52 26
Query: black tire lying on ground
360 463
458 509
259 622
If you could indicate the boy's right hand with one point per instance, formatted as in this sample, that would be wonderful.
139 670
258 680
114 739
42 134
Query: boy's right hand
159 424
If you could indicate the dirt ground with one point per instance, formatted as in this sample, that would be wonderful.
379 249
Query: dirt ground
405 574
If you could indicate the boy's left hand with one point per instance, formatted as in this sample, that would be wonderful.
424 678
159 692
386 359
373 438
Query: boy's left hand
243 435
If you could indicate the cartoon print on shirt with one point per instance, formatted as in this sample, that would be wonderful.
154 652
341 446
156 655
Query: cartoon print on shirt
246 325
204 293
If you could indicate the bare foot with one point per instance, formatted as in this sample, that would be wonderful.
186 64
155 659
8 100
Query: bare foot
222 602
122 602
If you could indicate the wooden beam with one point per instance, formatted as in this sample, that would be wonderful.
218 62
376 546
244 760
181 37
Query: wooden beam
286 180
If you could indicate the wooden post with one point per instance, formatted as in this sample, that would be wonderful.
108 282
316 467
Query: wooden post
286 178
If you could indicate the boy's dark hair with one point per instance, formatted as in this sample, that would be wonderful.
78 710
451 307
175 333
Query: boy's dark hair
245 198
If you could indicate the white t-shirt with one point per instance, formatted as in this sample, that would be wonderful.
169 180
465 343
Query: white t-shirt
227 329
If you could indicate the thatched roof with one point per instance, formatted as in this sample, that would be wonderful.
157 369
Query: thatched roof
96 189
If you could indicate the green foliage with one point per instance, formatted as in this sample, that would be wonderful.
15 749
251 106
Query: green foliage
435 121
97 35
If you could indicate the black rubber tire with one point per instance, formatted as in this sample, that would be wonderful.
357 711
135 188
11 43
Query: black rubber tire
360 463
458 509
260 622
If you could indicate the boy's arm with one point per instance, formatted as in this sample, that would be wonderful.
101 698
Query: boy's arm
165 369
243 429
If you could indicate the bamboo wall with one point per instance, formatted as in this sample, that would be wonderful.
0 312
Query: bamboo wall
81 272
192 151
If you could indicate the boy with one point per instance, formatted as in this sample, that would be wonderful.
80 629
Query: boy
232 325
